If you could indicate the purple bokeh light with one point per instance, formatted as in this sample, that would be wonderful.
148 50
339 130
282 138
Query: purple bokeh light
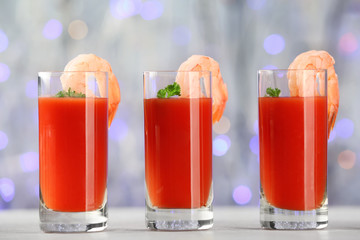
4 72
254 145
151 10
29 161
4 41
181 35
344 128
3 140
7 189
32 89
332 135
91 84
348 43
118 130
255 4
221 145
270 67
36 190
53 29
280 74
242 195
35 116
274 44
121 9
256 127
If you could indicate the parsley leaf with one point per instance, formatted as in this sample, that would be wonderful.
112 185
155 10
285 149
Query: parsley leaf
70 93
169 91
272 92
60 94
161 93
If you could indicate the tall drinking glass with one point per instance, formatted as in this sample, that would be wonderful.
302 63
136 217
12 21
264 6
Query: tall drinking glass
73 151
178 151
293 149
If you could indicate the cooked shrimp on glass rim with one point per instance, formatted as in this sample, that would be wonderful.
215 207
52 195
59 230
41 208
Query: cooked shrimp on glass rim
190 87
316 60
92 63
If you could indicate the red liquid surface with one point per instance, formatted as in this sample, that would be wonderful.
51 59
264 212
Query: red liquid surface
293 151
178 151
73 153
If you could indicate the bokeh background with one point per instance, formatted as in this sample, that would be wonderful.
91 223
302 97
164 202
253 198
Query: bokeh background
138 35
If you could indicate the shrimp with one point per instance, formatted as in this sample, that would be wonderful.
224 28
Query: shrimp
76 81
316 60
219 88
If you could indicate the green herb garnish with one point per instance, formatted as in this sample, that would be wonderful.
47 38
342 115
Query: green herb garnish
70 93
169 91
272 92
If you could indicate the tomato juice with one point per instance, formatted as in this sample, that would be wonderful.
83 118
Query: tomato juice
293 151
73 153
178 151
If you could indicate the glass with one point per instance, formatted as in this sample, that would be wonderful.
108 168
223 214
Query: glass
178 152
293 149
73 152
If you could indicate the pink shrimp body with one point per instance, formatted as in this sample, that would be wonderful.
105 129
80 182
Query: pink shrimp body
76 81
316 60
190 87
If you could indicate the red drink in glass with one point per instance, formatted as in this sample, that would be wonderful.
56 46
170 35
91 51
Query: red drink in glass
73 153
178 151
293 151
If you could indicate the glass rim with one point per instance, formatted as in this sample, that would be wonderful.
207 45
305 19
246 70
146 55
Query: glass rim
177 71
57 72
283 70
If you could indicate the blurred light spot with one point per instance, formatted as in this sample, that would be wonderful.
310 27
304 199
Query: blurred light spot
151 10
346 159
4 72
3 140
280 74
53 29
242 195
348 43
32 89
223 126
91 84
36 190
118 130
35 116
121 9
4 41
221 145
29 161
254 145
269 67
332 135
181 35
274 44
255 4
78 29
256 127
7 189
344 128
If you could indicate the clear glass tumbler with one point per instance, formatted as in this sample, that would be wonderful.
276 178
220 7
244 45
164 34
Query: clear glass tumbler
73 151
178 150
293 148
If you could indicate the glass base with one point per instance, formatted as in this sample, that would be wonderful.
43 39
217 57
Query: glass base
54 221
179 219
277 218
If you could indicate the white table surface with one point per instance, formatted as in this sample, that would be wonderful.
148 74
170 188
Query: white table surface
229 223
